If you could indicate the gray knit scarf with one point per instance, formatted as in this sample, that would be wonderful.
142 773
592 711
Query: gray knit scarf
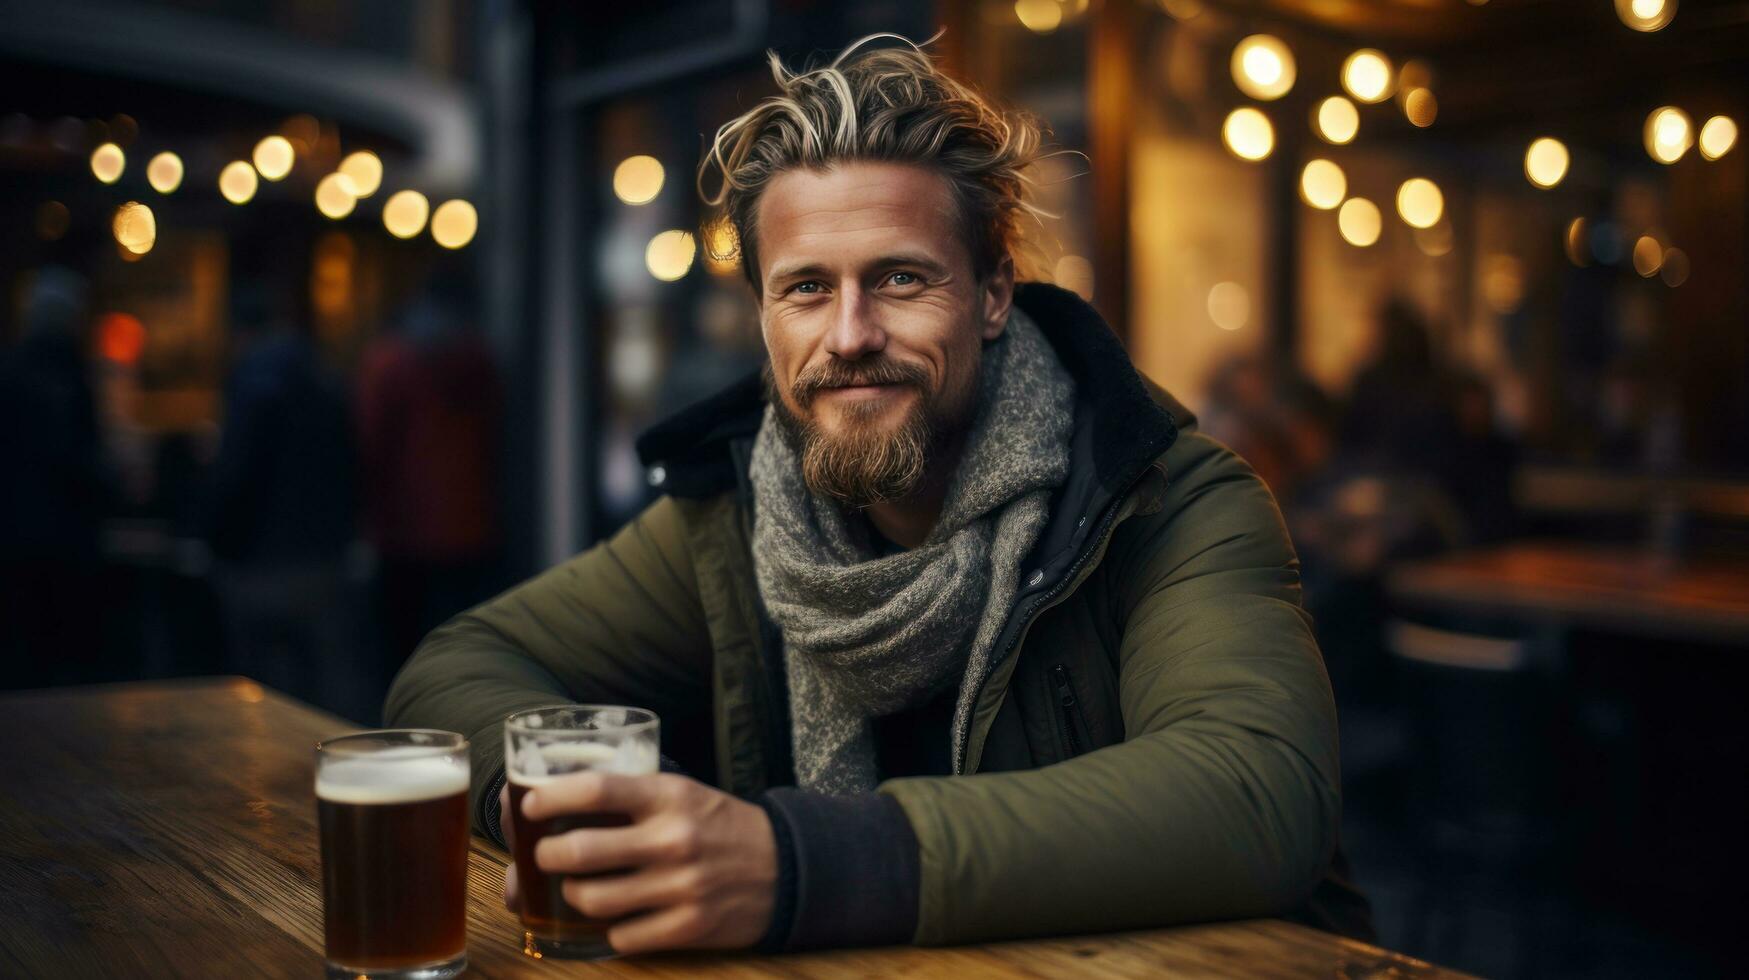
867 636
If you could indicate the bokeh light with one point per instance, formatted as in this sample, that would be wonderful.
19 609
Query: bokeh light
164 172
1367 75
108 162
1420 107
274 157
722 252
404 213
1263 67
1336 120
1503 283
1545 161
335 196
454 223
669 255
1675 270
1648 256
1435 241
1645 15
1420 203
1323 185
237 182
1037 16
1668 134
1248 134
1717 136
365 170
1359 222
1229 305
135 227
637 180
1576 242
121 338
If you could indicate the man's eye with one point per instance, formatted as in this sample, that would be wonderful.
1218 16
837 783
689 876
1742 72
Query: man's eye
808 287
904 279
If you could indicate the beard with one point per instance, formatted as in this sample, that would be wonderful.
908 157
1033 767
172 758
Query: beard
863 462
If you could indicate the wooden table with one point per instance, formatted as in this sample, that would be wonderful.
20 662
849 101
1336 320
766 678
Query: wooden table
1577 586
168 829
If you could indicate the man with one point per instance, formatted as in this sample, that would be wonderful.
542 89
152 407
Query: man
1028 647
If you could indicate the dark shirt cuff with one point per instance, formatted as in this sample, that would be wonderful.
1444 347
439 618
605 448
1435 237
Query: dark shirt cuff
848 870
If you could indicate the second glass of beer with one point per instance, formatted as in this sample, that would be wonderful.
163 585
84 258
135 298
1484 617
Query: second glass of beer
546 744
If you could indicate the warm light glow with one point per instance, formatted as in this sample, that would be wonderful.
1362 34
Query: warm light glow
1263 67
1675 271
1648 256
1420 107
404 213
335 196
454 223
164 172
1182 9
1359 222
1545 162
1502 283
669 254
1578 234
1075 274
107 163
121 338
1336 120
1367 75
1229 305
1645 15
1436 241
365 170
1323 185
1037 16
722 253
1414 74
1419 202
1248 134
637 180
274 157
1717 137
1668 134
135 227
237 182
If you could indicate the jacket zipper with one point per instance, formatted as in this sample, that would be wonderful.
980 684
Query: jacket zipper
1066 701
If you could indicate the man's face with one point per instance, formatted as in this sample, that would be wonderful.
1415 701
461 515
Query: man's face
873 321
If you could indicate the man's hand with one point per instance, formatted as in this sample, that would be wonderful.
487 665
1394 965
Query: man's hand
703 864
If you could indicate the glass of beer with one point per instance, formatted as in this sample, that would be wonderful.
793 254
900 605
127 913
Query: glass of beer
546 744
393 807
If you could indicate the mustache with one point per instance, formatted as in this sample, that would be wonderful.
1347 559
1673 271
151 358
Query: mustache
837 373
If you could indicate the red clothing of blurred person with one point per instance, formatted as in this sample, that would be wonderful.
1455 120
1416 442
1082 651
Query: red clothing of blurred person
430 415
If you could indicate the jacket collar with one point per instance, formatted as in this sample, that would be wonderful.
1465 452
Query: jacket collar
1123 423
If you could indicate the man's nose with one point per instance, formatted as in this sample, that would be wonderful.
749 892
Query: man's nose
855 332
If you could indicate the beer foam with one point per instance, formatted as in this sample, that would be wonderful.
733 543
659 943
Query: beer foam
537 764
390 777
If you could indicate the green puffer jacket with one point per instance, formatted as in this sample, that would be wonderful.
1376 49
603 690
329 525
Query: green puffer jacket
1156 740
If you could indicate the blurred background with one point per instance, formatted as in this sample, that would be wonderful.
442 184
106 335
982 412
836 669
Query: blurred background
324 320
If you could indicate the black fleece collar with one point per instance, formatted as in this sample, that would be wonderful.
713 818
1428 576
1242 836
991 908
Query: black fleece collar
1121 427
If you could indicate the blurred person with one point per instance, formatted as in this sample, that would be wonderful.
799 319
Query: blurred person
430 410
1275 418
992 641
282 507
54 493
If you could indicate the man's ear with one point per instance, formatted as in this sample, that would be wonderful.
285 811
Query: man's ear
997 296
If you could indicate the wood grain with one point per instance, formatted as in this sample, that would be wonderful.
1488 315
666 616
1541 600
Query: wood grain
168 829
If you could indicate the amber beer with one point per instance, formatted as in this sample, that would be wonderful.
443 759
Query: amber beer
549 744
393 809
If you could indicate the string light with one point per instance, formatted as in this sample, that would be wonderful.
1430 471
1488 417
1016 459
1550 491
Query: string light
274 157
108 162
1248 134
135 227
454 223
1648 256
1717 137
1037 16
1359 222
1229 305
1367 75
1419 202
1545 162
404 213
1645 15
1336 120
637 180
1668 134
365 170
335 196
1263 67
237 182
669 255
164 172
1323 185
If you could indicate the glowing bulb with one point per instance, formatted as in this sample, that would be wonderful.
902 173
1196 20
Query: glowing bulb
453 223
237 182
404 213
1420 107
1323 184
1359 222
1419 202
1248 134
1229 305
1648 256
1545 162
164 172
1578 234
637 180
135 227
1336 120
335 196
107 163
1037 16
1717 137
1367 75
669 254
1668 134
273 157
1263 67
365 170
1645 15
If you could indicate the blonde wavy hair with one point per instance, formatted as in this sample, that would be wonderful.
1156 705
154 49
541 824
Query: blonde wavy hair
887 104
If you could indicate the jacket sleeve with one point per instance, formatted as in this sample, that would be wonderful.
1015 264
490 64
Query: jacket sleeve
1222 802
620 623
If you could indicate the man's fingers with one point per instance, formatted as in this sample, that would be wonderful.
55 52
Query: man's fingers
595 792
678 927
619 896
591 850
